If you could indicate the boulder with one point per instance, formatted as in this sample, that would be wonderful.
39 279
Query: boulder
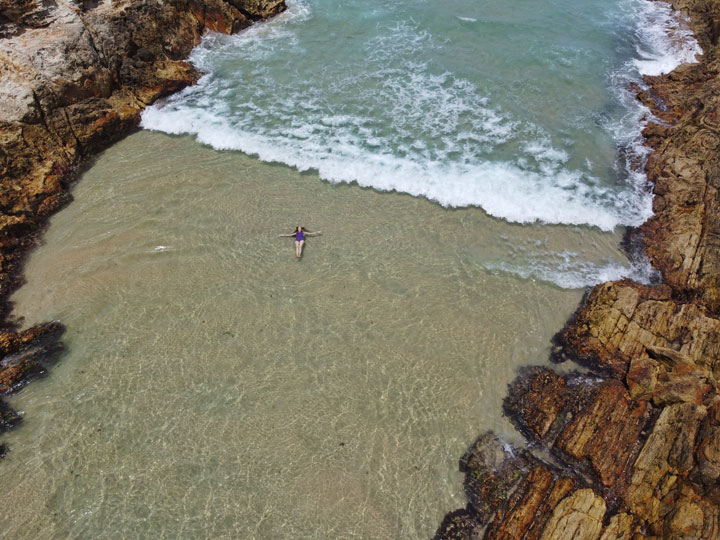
578 517
535 399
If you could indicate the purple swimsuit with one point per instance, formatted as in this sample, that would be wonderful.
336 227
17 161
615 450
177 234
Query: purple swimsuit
299 236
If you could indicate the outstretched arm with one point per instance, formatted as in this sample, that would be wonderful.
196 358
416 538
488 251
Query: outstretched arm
312 233
291 234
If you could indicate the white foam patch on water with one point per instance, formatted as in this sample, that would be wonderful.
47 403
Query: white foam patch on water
502 189
568 270
662 42
664 39
397 126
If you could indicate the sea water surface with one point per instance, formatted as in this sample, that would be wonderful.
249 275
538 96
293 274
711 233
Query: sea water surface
462 163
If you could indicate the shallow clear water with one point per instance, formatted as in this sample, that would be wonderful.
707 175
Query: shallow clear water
215 386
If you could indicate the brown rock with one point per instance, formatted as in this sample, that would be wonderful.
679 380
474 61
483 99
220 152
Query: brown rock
459 525
27 354
606 432
667 454
708 450
622 320
642 377
600 426
577 517
535 399
530 506
684 520
674 388
682 236
491 473
620 527
259 9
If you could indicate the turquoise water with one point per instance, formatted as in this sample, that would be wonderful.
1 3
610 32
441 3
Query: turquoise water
517 108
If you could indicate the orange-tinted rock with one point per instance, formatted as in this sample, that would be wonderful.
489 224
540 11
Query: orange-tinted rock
26 355
606 433
491 473
578 517
622 320
530 506
596 423
666 456
535 399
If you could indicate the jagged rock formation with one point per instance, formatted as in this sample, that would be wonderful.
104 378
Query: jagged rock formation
74 77
631 450
25 356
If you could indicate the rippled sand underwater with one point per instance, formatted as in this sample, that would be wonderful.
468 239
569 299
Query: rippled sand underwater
217 387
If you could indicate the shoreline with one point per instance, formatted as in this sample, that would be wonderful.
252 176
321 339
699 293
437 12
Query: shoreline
62 108
653 376
632 448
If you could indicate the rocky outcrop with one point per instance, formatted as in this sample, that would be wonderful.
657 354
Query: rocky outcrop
634 443
74 77
25 356
683 237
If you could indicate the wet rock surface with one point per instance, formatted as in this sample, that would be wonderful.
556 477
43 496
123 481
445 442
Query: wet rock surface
25 356
74 77
630 448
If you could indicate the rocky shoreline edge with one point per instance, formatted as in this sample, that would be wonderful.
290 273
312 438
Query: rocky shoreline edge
75 76
630 448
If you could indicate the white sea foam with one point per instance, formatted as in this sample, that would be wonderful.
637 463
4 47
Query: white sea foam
397 125
570 271
664 39
502 189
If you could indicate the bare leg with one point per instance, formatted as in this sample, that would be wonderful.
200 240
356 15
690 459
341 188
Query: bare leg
298 248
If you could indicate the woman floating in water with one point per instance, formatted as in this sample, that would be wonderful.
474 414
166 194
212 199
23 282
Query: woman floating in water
299 234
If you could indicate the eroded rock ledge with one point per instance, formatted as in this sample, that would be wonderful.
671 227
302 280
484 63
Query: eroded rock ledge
74 77
631 449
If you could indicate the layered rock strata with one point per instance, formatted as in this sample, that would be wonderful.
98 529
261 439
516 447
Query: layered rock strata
630 448
74 77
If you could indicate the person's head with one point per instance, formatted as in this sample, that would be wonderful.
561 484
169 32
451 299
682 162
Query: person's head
298 228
